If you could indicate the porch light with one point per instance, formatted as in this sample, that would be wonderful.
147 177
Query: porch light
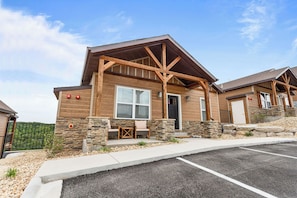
77 97
68 96
187 98
159 94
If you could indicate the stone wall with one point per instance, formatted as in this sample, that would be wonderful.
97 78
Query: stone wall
72 131
207 129
258 115
163 128
97 133
291 112
257 131
211 129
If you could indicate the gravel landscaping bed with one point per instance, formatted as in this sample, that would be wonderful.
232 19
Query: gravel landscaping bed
29 162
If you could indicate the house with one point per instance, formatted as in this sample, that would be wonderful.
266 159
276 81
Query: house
7 115
294 97
152 79
263 96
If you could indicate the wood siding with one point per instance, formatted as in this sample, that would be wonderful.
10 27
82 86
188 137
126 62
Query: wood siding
73 108
3 125
190 108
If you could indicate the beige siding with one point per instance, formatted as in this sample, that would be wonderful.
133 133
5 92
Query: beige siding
190 108
3 124
73 108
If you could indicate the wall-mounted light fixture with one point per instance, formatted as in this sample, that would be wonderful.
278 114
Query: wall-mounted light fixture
77 97
159 94
187 98
68 96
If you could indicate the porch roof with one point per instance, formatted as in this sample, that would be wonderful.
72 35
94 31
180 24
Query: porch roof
131 50
4 108
261 77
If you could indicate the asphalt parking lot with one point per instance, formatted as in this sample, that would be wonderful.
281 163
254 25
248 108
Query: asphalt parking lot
257 171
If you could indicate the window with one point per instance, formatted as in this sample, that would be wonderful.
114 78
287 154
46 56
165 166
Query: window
203 109
132 103
265 100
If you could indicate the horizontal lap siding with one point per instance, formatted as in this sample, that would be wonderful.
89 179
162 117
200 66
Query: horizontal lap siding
190 108
73 108
109 85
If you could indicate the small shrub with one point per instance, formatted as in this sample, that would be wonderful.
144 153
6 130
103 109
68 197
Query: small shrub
174 140
259 118
52 144
248 134
105 149
11 173
142 143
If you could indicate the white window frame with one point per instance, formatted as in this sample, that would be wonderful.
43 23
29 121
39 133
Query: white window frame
133 103
265 100
202 109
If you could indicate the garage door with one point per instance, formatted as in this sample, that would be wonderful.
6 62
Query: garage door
238 112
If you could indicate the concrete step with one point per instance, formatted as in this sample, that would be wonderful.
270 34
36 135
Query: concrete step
181 135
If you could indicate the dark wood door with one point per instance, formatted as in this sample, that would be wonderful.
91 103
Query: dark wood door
173 109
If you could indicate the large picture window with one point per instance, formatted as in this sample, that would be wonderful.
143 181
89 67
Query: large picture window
132 103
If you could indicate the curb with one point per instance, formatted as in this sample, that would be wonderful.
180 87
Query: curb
44 186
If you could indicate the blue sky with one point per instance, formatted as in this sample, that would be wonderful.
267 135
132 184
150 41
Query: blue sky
43 43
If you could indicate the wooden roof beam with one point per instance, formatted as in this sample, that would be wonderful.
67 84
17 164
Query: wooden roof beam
151 54
149 68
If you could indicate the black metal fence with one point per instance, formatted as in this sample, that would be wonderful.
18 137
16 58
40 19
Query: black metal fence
30 135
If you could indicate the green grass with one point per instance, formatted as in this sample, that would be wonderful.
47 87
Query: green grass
11 173
248 134
142 143
105 149
174 140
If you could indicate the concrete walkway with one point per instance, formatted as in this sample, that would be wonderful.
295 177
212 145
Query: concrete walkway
48 180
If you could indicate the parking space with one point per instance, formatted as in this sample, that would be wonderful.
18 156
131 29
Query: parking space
235 172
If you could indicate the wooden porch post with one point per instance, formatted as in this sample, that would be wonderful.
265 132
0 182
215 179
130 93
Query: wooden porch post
289 96
99 87
273 87
164 90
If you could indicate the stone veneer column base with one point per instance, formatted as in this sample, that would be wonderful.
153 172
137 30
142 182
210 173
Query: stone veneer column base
211 129
164 128
97 133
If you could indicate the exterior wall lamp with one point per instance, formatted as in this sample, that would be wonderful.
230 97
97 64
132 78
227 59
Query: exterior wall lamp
159 94
187 98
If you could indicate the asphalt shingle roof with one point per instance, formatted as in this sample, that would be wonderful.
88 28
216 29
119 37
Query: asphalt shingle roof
265 76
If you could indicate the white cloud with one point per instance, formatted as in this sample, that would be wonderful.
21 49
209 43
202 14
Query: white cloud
33 43
257 17
38 56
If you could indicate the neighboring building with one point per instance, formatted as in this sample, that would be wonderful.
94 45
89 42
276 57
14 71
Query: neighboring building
152 79
294 97
259 97
6 115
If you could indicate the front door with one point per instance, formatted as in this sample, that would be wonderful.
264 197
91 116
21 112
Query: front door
173 107
238 113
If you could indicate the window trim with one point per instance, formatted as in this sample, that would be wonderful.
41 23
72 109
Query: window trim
134 104
267 104
202 109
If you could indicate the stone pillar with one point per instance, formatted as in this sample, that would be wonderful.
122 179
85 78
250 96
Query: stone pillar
164 128
72 131
211 129
97 133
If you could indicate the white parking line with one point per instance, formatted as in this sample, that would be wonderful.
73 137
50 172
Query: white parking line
250 188
276 154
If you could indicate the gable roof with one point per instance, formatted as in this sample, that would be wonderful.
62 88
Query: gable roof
294 70
131 50
6 109
261 77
